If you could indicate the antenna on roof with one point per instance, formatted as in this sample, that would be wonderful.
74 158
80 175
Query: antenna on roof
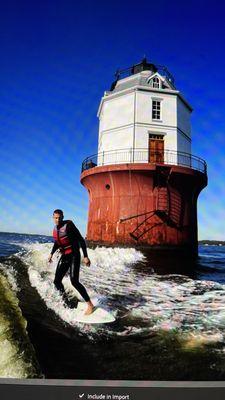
144 60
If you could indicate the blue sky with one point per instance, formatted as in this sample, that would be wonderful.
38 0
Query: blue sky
58 57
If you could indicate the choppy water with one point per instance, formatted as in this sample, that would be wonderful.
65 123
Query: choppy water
169 326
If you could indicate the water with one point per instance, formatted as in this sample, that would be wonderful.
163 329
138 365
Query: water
170 312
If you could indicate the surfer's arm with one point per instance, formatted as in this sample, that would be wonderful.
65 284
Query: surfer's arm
54 248
83 246
76 235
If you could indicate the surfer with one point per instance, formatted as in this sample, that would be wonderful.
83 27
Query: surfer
68 240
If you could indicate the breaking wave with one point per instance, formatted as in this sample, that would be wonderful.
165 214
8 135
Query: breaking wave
142 301
17 356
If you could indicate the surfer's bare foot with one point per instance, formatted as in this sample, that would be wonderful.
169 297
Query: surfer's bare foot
90 308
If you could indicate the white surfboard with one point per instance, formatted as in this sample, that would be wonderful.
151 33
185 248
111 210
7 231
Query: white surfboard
98 316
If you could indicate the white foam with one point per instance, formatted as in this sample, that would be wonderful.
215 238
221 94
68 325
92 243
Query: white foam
16 352
110 271
9 272
171 302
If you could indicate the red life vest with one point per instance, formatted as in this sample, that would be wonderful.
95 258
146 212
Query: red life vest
60 236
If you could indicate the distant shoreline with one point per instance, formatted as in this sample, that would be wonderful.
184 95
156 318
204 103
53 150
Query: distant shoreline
212 242
201 242
28 234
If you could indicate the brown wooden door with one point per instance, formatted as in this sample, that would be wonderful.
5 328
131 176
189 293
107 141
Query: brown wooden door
156 150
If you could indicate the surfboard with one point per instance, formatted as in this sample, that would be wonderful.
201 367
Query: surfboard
98 316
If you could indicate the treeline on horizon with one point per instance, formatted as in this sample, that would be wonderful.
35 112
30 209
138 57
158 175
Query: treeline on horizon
215 242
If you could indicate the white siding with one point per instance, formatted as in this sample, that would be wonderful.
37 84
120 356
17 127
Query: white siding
117 139
183 117
117 112
126 121
144 108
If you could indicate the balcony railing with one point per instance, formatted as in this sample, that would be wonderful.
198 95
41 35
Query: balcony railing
140 155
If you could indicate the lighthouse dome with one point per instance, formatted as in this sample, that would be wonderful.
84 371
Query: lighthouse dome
142 74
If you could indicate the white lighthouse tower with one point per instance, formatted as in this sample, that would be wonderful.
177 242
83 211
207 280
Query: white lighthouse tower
144 111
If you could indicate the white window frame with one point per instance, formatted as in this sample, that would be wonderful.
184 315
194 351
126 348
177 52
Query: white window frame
156 82
157 107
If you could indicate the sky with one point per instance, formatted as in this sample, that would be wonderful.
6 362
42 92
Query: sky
57 59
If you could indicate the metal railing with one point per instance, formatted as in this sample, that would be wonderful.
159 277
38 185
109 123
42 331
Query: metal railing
123 73
140 155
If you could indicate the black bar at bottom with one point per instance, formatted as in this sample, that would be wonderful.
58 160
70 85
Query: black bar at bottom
38 392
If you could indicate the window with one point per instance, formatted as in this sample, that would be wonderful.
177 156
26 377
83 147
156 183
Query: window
155 82
156 109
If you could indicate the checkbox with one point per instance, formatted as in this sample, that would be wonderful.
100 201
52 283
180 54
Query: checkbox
81 395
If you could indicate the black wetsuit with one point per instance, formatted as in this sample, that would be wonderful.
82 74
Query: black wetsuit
71 260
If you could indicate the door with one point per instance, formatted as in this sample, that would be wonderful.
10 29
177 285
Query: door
156 149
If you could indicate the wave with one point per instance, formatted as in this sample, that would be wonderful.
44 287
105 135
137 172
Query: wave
121 280
110 268
17 355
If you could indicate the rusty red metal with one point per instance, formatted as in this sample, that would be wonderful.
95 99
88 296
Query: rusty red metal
143 204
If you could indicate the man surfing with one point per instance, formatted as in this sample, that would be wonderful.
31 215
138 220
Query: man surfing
68 239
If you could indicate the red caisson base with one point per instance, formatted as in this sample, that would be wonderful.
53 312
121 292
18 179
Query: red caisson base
140 204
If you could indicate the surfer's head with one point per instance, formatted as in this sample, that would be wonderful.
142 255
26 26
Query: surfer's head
58 216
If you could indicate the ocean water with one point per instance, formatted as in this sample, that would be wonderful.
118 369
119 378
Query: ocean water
170 313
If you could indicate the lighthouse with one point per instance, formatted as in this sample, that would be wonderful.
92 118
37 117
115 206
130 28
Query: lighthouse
144 182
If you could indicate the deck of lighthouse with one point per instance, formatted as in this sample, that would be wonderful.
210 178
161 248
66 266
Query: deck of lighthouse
142 205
